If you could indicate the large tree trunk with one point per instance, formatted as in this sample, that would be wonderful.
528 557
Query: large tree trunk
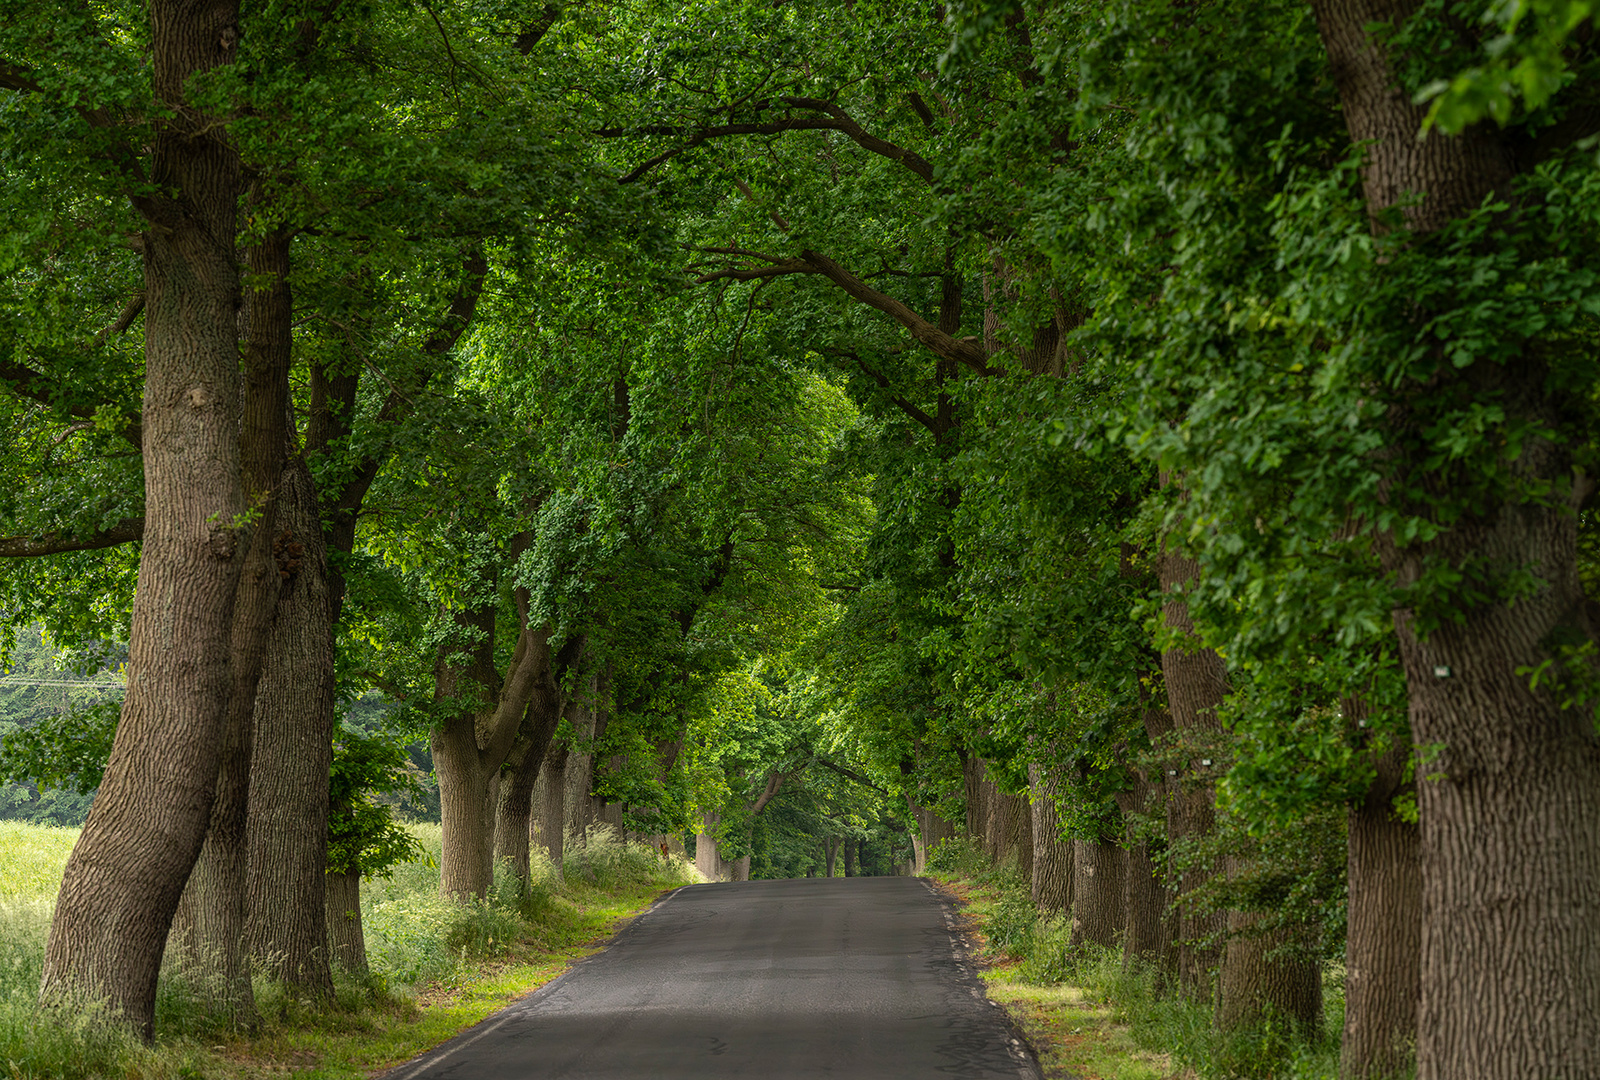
929 831
215 895
513 817
996 818
462 759
345 939
294 718
1052 855
1016 838
1149 937
708 860
583 809
144 832
851 869
1383 948
1196 682
1510 968
1097 894
552 791
831 849
470 745
1256 983
972 777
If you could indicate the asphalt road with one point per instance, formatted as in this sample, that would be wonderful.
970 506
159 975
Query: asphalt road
859 977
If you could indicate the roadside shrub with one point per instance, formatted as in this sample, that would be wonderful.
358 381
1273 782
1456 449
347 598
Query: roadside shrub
958 855
1011 925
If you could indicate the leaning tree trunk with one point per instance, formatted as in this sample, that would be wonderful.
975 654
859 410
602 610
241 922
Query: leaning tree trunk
1510 967
1097 894
294 720
1383 947
144 832
1052 855
1196 682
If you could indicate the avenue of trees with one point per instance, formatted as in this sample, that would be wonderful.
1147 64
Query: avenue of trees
1154 441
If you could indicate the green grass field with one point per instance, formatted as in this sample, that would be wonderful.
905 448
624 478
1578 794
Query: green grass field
437 968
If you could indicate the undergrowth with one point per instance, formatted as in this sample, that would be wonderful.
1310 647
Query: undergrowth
1038 952
435 966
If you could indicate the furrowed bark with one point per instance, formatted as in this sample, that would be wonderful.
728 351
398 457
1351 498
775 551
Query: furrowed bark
1259 980
1052 856
346 941
215 897
1383 948
1510 963
1097 894
126 872
1196 683
294 720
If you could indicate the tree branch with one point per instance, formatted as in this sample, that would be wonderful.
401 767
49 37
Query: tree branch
966 350
774 782
28 547
901 403
836 119
851 774
861 137
35 386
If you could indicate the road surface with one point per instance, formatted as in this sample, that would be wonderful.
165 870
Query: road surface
854 977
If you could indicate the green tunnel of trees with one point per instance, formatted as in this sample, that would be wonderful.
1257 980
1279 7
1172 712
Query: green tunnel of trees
1152 440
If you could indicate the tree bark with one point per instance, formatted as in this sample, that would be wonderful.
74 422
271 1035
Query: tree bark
1149 940
473 740
928 832
216 892
1256 984
128 869
346 941
1510 964
977 822
708 859
850 867
1383 949
552 788
294 720
1052 855
583 809
831 848
1196 682
513 817
1097 894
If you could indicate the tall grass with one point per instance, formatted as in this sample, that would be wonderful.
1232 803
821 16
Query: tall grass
1274 1048
415 939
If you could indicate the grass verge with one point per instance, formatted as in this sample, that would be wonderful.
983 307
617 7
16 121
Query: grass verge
437 968
1089 1019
